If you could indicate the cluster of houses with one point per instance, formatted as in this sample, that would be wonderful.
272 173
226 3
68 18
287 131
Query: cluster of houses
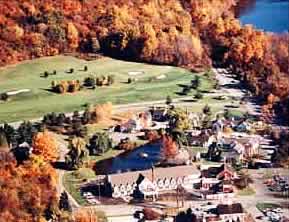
207 182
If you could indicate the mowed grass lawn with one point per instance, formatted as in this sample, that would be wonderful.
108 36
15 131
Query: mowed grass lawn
40 100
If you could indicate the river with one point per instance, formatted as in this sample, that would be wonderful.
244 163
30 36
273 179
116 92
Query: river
267 15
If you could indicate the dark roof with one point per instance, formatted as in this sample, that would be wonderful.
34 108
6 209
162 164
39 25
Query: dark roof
212 172
229 209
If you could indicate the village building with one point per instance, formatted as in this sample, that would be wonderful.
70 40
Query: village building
159 114
230 213
245 145
138 122
222 213
197 137
147 183
217 182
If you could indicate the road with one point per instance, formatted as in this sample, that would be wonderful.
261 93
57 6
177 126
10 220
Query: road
62 147
263 195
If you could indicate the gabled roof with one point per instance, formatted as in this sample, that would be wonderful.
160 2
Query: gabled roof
225 171
159 173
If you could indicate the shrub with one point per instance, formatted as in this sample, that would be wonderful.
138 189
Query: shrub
110 79
4 96
198 95
207 110
46 74
169 100
89 82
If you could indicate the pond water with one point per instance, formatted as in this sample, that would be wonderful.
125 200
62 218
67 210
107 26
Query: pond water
267 15
131 161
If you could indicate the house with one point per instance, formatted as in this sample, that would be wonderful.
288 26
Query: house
218 126
230 213
197 137
217 182
244 126
222 213
147 183
159 114
195 120
138 122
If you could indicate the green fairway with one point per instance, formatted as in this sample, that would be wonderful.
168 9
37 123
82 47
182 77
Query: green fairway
40 100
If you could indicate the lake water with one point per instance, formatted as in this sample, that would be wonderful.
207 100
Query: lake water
131 161
267 15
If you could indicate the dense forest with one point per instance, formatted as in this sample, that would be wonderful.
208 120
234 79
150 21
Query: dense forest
186 33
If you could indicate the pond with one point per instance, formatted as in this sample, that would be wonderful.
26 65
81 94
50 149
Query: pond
267 15
131 161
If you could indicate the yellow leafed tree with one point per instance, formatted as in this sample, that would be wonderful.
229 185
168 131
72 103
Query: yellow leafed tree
45 145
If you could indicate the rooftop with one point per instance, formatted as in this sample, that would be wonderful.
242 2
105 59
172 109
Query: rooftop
159 173
229 209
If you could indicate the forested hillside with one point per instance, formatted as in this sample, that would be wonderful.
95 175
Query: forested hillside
187 33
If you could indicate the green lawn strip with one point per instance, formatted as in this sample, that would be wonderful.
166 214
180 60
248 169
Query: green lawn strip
72 186
264 206
107 155
248 191
196 149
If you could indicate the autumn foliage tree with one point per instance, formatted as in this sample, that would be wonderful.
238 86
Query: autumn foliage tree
103 112
169 147
45 146
26 191
89 215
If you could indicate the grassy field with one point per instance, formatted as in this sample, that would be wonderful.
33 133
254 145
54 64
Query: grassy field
40 100
73 180
264 206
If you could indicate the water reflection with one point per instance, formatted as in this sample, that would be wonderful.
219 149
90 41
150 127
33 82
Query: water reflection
268 15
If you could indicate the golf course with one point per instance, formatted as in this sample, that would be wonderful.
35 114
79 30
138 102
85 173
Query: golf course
152 82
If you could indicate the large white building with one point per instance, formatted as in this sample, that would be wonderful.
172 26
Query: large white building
150 183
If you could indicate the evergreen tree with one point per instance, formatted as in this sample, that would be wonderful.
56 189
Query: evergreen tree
99 143
195 83
64 202
207 110
169 100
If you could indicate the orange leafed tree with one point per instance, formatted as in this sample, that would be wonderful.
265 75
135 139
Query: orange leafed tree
169 147
45 145
103 112
26 191
88 215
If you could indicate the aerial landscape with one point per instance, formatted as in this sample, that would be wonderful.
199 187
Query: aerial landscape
144 110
